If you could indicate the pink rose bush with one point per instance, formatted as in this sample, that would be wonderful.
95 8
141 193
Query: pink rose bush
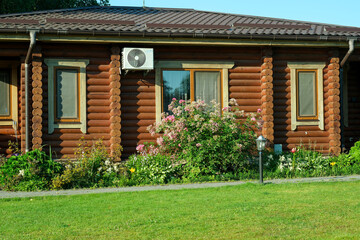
204 139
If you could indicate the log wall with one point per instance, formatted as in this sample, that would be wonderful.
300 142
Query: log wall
305 135
64 141
252 82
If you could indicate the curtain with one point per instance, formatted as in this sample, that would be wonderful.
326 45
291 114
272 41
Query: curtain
67 99
307 94
207 86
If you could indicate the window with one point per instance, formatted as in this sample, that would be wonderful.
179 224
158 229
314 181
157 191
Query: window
8 94
190 81
306 94
193 84
67 93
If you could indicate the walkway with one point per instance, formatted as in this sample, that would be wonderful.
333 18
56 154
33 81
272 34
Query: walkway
5 194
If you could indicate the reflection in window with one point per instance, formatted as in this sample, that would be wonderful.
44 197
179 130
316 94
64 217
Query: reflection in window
176 84
4 93
67 94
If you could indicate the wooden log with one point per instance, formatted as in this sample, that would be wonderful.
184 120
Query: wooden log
244 76
245 69
244 82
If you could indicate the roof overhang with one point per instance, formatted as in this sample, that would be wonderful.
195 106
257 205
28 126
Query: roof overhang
135 38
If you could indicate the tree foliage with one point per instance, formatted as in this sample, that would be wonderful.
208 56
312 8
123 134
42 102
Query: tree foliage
14 6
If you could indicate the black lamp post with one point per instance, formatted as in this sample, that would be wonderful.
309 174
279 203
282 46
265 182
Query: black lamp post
260 143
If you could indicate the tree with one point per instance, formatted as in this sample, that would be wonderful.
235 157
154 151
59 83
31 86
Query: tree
14 6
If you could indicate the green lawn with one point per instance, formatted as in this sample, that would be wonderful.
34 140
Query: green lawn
250 211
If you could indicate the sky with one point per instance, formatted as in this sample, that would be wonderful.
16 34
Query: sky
338 12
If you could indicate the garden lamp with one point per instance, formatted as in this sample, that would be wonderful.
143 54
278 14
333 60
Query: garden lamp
260 143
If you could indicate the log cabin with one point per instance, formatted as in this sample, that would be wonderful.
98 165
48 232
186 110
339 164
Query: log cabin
108 73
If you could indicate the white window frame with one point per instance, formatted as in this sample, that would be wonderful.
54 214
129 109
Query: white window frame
13 119
159 65
294 66
56 63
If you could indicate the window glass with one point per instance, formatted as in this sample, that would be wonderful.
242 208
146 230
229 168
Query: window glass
176 84
207 86
4 93
306 94
67 99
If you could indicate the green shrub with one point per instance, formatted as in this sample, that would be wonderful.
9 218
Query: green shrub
151 169
93 167
28 172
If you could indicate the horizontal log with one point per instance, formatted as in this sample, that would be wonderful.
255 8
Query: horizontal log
141 109
137 82
245 69
249 102
98 116
72 144
244 76
98 67
98 88
98 102
243 95
75 136
98 81
244 82
247 89
98 109
137 123
136 136
141 95
302 134
142 129
306 140
134 116
126 89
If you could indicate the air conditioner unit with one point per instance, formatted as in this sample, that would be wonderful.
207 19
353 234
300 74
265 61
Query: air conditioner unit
138 59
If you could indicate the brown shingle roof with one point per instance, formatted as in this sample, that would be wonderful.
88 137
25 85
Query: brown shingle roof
171 23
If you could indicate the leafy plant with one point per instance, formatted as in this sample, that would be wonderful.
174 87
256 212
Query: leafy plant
28 172
151 169
93 167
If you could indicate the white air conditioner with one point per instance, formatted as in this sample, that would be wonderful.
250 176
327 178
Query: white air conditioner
138 59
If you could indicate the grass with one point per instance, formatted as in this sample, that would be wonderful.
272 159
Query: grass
285 211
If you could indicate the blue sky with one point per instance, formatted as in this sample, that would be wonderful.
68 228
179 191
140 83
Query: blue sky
345 12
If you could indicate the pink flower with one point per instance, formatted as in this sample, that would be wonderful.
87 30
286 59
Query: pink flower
179 145
185 129
181 101
293 150
259 110
170 118
253 119
174 99
198 144
140 148
160 141
225 108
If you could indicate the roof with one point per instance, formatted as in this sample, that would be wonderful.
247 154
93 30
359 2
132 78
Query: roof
112 20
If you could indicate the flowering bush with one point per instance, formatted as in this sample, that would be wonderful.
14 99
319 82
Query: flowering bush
302 159
203 139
